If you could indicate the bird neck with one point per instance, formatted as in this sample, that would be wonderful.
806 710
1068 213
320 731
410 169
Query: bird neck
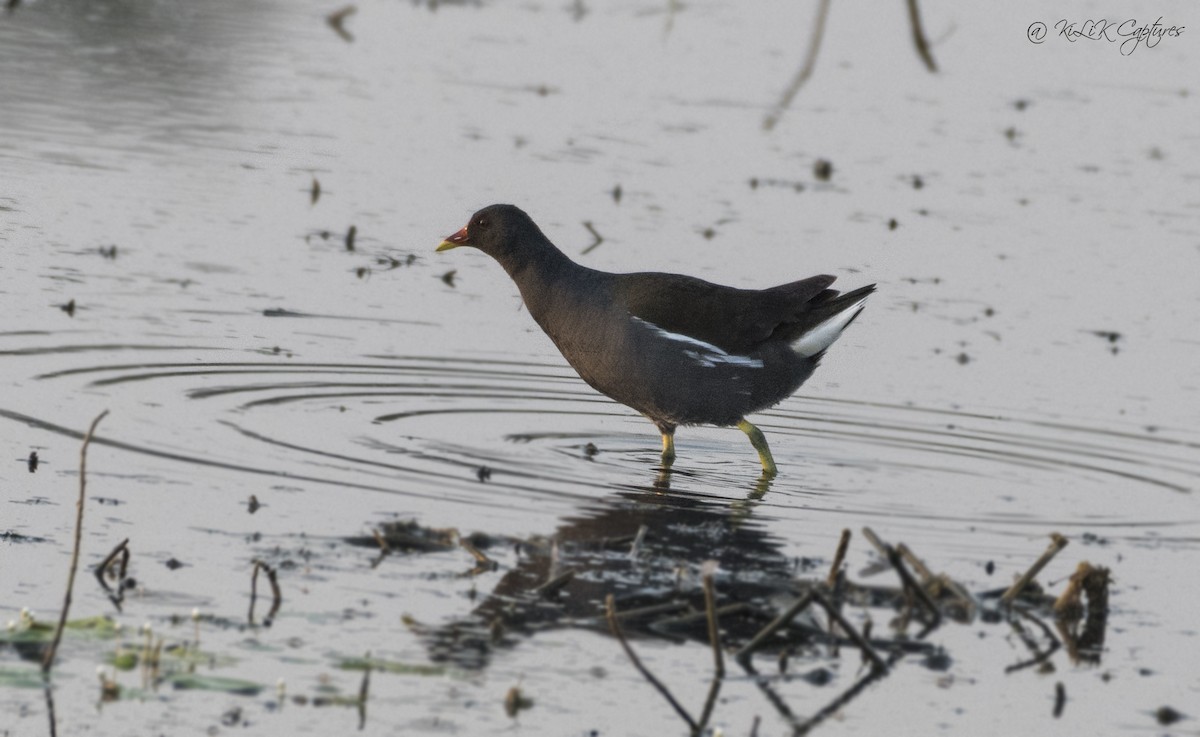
536 263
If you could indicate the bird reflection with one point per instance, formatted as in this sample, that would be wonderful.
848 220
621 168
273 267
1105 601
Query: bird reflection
645 547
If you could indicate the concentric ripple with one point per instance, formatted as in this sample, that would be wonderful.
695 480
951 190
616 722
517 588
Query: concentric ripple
520 435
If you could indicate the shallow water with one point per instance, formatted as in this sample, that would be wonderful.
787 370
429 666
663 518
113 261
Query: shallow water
1028 365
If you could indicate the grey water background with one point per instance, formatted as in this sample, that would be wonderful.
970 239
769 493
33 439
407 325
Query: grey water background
1029 364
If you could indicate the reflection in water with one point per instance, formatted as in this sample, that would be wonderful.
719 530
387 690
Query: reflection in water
645 547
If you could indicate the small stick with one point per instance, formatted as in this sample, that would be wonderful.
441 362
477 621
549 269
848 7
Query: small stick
914 17
554 585
875 541
917 564
610 606
661 624
911 584
381 541
362 693
1057 543
743 655
253 589
876 661
714 630
810 61
480 557
636 547
599 239
838 557
669 606
1060 699
277 597
709 702
48 660
799 730
384 548
124 563
1039 657
101 569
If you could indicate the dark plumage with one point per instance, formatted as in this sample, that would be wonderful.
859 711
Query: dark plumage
680 350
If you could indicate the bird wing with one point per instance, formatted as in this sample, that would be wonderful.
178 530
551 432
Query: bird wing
734 320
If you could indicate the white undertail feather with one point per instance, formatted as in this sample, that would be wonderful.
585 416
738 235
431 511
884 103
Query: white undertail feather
825 333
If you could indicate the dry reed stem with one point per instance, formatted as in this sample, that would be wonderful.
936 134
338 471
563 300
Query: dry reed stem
1057 543
48 660
838 558
610 607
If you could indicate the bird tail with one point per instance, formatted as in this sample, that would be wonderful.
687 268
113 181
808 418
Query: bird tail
828 320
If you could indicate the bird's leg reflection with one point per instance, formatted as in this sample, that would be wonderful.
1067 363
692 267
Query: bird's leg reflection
662 482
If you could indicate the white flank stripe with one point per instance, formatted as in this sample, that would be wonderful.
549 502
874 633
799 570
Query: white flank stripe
823 335
708 354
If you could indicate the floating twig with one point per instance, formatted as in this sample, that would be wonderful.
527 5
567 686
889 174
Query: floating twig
645 611
610 607
636 546
484 562
554 585
48 660
116 597
1057 543
876 661
892 556
599 238
1086 579
918 34
276 596
837 704
714 638
710 607
362 692
917 590
743 655
838 558
384 549
810 61
336 21
1039 656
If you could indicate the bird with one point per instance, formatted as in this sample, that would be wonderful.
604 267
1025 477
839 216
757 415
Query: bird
678 349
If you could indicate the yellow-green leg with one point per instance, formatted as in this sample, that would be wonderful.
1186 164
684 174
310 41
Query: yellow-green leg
668 454
759 441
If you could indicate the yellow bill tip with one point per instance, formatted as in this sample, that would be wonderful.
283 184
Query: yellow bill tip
446 246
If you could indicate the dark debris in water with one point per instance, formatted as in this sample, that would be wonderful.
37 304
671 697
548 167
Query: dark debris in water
9 536
1166 715
630 556
407 536
337 21
795 186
